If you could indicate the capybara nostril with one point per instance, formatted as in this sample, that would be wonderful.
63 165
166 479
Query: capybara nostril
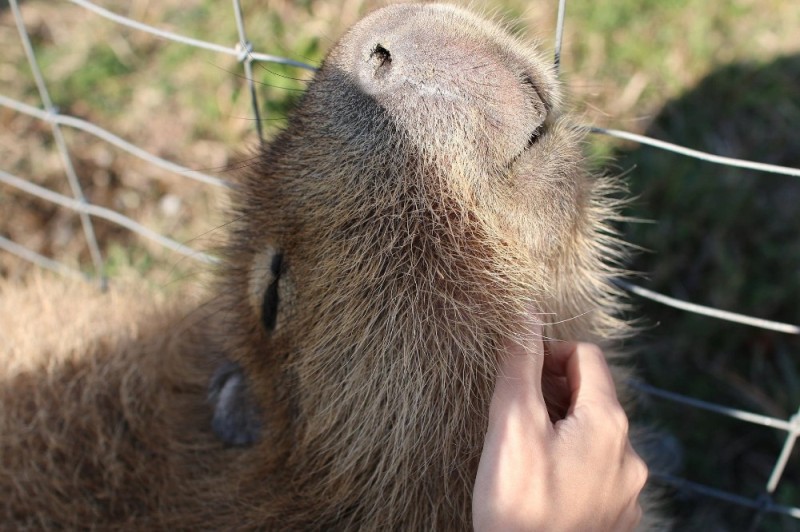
381 59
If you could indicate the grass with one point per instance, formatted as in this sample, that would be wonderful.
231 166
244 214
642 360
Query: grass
726 238
717 76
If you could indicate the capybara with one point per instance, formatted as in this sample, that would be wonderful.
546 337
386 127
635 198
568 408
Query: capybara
428 190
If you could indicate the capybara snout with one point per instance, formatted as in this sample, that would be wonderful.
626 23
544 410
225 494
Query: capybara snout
497 94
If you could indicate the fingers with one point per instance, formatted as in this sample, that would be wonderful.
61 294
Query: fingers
521 367
582 469
558 353
633 473
631 517
587 373
634 484
518 398
638 471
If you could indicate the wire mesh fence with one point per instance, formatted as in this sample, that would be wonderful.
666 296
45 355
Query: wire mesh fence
243 51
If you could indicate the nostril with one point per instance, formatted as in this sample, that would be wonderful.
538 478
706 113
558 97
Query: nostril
380 57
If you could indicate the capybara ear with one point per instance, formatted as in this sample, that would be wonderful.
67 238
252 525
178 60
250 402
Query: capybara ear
236 420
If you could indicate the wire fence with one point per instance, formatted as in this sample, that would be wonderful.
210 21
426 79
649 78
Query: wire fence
244 53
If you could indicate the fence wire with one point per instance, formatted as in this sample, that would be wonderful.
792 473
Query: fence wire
244 53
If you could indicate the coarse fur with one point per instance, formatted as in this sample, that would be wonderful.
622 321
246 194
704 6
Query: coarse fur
427 192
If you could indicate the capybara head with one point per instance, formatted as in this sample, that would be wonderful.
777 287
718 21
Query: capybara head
427 191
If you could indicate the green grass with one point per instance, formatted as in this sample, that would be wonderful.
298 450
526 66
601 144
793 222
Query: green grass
726 238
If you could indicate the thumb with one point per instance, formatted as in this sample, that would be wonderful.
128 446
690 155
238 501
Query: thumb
519 379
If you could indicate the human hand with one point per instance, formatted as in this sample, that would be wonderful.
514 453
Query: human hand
579 473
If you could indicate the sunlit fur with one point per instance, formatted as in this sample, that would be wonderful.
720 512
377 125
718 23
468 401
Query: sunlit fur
417 225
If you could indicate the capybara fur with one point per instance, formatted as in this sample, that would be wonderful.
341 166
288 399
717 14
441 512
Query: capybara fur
427 192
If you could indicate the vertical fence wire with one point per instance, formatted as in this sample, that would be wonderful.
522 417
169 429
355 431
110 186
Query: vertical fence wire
777 472
562 9
246 58
63 150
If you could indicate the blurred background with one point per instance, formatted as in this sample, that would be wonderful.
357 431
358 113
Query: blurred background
722 77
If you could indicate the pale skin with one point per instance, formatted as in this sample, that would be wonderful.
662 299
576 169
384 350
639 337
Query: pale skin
579 473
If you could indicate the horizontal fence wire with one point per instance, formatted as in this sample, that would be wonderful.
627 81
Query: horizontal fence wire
708 311
244 53
53 117
40 260
696 154
236 51
104 213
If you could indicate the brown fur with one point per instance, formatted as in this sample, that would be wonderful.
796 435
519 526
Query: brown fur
416 224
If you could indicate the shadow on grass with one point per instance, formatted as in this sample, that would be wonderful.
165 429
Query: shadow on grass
727 238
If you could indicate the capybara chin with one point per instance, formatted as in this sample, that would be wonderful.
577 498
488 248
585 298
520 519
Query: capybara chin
427 191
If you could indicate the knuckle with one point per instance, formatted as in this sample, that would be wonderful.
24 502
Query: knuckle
640 472
591 349
619 419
